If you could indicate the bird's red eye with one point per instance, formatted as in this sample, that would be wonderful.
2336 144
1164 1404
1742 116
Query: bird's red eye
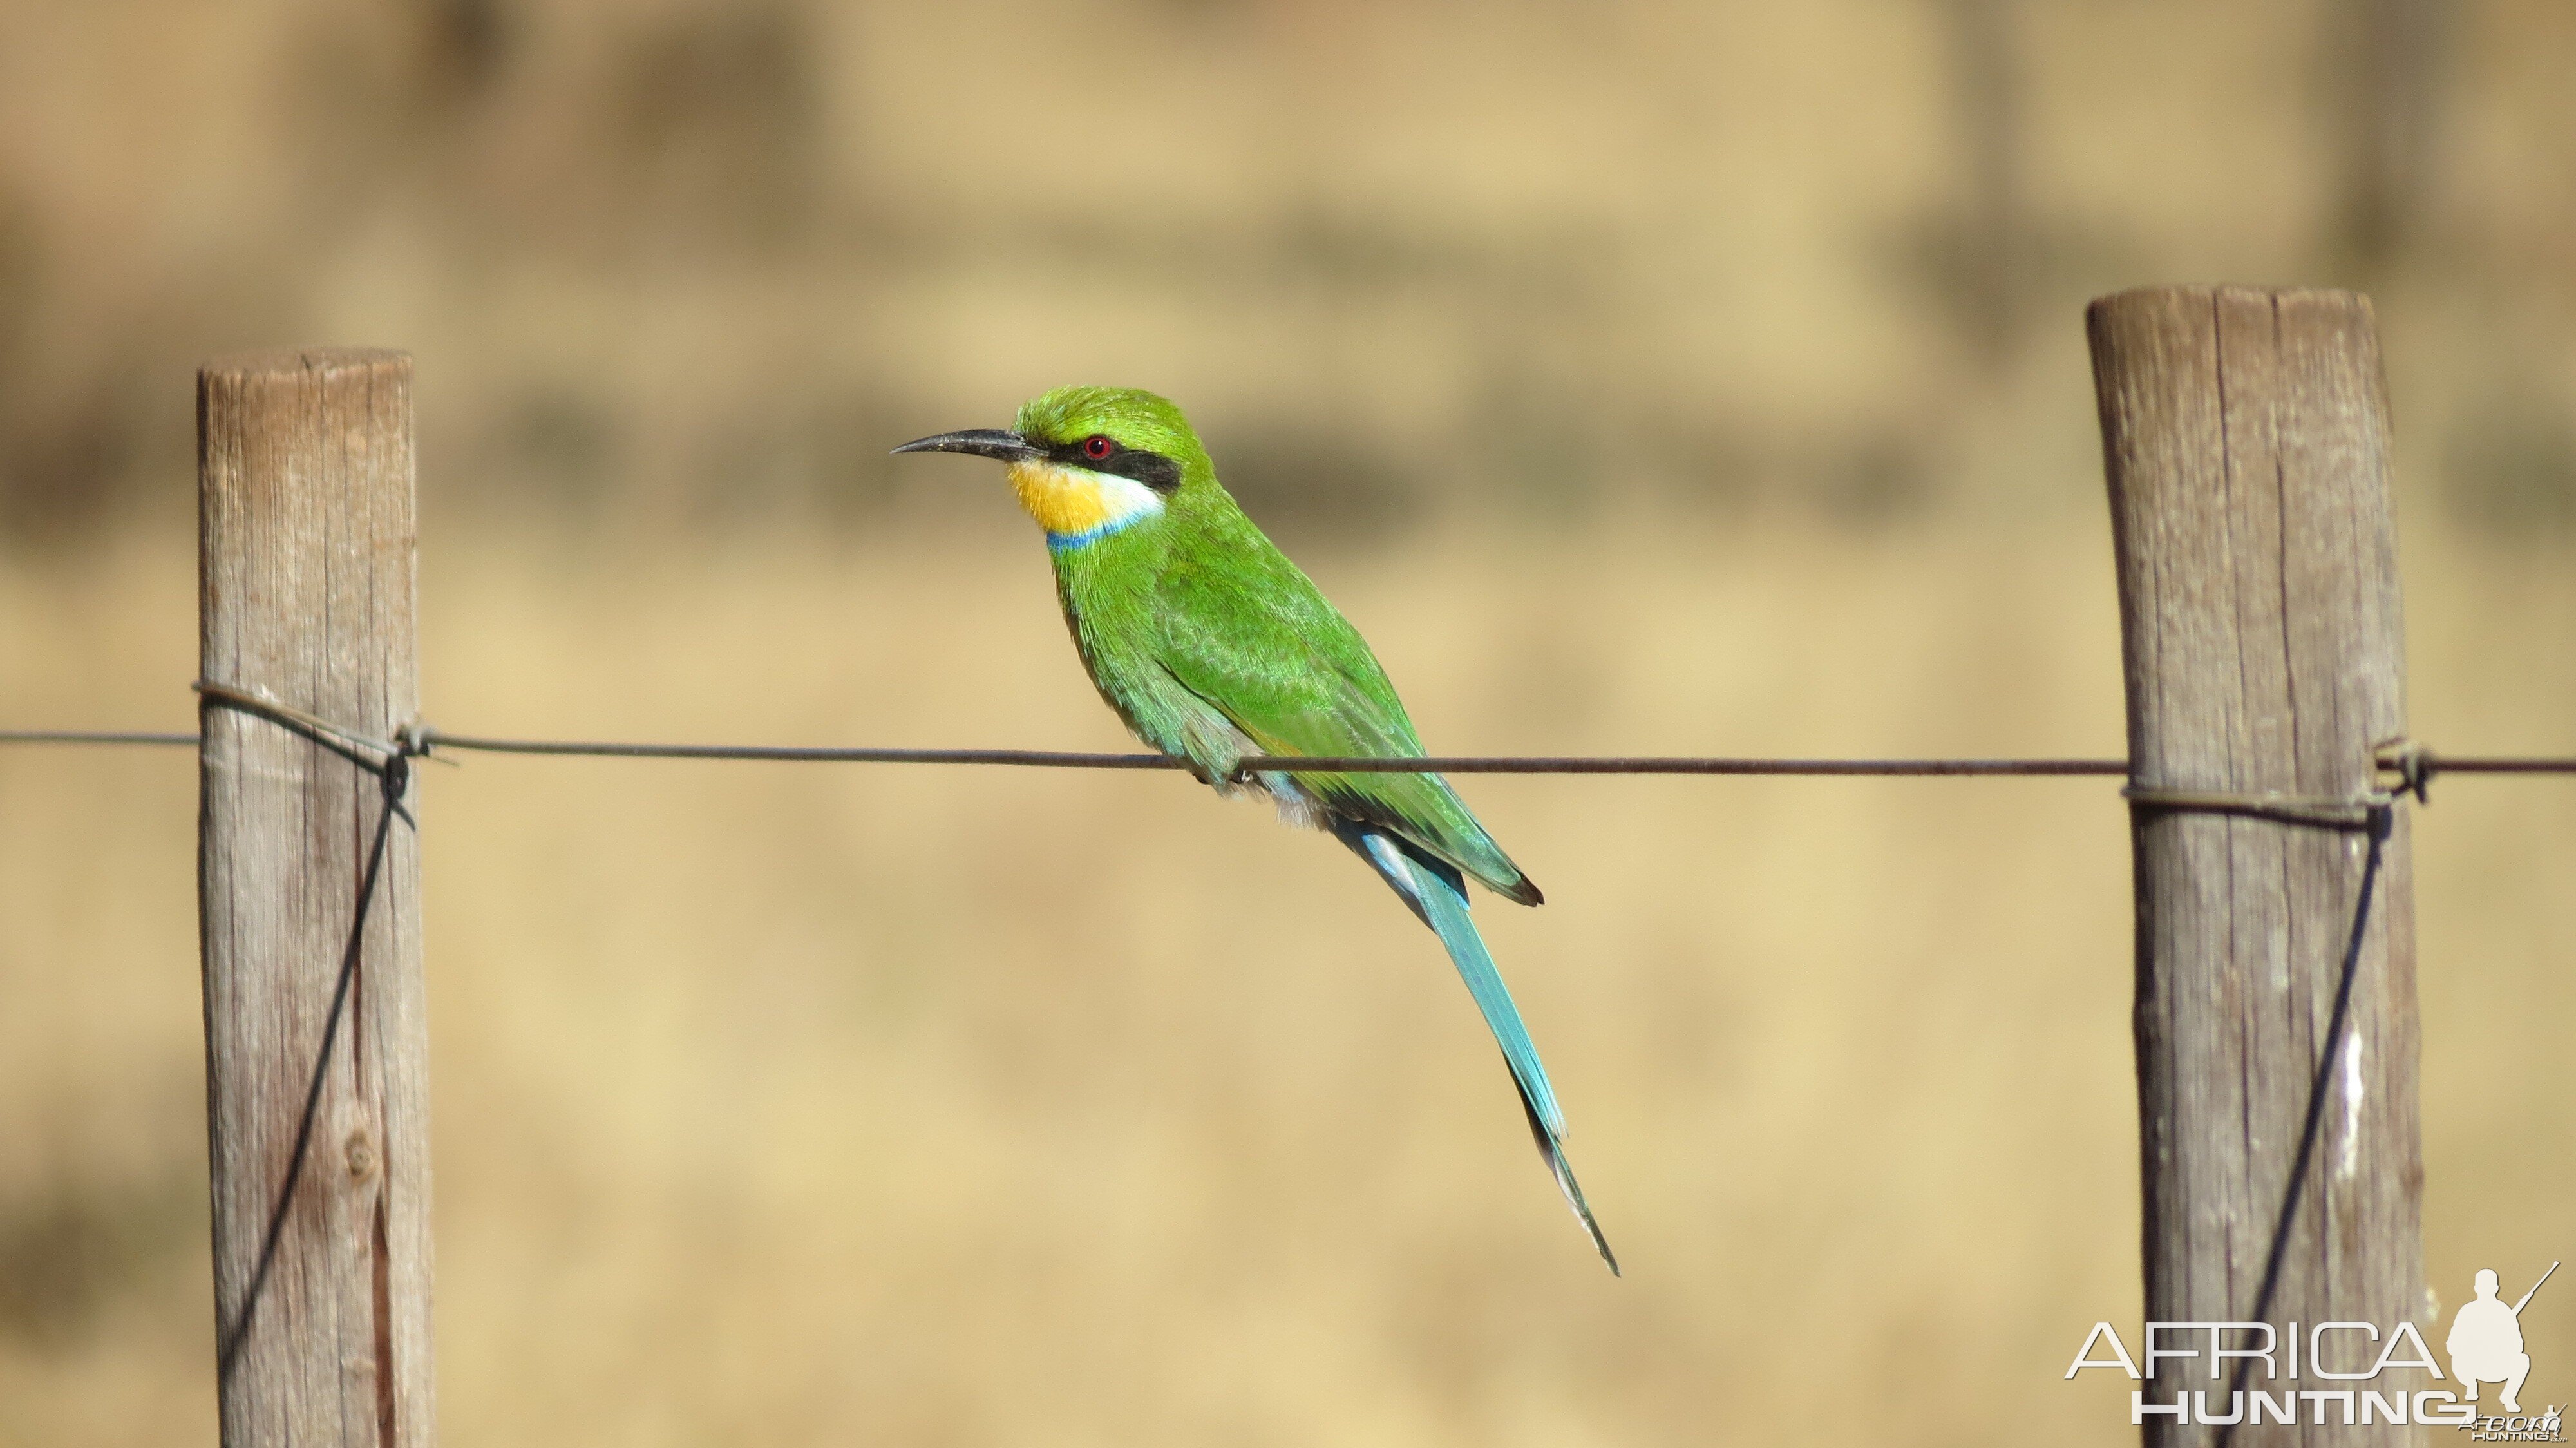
1098 446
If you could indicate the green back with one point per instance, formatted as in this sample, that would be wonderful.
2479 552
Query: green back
1212 645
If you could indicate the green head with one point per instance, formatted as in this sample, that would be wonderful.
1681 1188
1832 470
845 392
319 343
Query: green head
1088 462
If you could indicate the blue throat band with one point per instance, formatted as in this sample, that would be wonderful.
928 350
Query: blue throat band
1065 542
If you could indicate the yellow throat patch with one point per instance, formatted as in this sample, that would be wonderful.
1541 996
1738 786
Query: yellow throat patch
1077 505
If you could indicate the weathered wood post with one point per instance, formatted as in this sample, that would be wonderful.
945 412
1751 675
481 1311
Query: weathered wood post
2245 437
317 1095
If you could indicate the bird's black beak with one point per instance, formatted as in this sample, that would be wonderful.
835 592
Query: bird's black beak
983 442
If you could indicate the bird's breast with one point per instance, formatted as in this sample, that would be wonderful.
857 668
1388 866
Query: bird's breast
1077 506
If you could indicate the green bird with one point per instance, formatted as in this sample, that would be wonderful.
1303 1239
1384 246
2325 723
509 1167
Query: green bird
1214 648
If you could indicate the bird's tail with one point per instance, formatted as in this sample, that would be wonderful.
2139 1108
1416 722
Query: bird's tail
1438 895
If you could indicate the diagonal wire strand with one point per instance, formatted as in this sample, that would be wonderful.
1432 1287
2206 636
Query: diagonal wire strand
394 775
2320 1086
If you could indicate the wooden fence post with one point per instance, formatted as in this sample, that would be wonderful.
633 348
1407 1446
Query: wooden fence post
317 1094
2245 437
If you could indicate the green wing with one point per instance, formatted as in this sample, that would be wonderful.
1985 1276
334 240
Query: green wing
1253 637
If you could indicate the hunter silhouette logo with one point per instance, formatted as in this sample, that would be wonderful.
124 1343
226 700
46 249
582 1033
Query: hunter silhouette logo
2486 1341
2245 1365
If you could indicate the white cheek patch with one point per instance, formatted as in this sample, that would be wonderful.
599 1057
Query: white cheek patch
1124 500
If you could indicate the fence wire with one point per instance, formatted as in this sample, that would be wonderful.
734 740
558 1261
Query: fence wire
430 742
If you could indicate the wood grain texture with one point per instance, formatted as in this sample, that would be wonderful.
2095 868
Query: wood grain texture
2246 443
319 1157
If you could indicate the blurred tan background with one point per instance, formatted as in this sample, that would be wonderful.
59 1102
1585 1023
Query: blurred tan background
1648 377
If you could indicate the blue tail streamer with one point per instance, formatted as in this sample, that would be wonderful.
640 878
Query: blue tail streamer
1437 895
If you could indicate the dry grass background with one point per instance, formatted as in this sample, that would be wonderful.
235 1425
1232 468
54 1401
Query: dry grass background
1639 379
